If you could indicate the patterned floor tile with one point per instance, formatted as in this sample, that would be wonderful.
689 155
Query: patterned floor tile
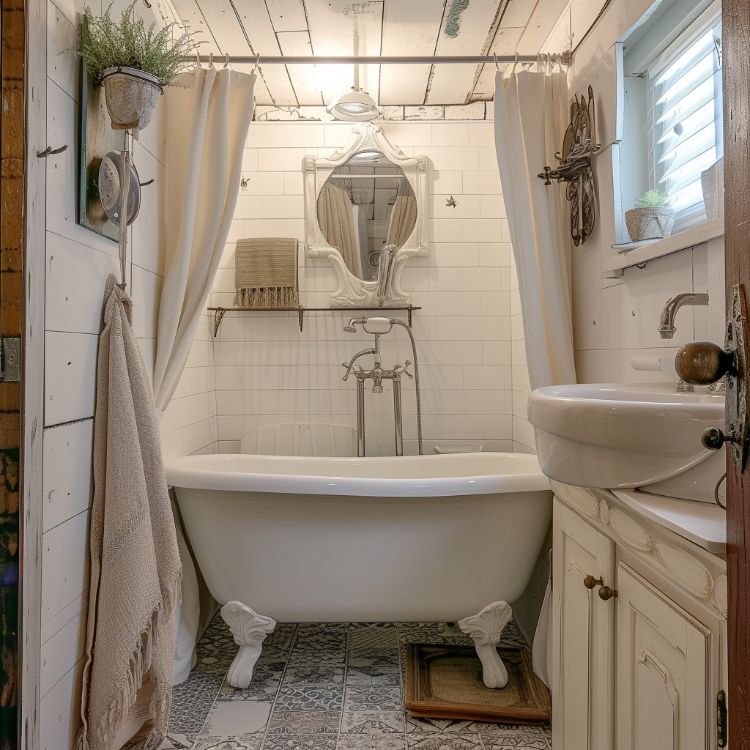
300 742
371 742
372 699
415 724
372 722
384 676
444 741
329 686
373 638
177 742
310 698
314 674
237 742
303 722
237 718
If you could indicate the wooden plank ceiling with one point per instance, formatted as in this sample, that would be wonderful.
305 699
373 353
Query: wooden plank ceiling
372 27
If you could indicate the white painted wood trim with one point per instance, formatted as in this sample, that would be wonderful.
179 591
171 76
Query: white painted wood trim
33 373
352 291
635 253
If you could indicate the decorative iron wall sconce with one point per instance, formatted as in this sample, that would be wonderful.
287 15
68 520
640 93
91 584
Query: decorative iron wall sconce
575 167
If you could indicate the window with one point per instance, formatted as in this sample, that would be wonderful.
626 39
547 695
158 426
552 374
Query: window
685 119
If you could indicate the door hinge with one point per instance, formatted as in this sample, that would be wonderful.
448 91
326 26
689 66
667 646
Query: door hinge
721 719
10 359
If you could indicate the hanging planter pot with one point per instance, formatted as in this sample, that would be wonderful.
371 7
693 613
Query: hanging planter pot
131 97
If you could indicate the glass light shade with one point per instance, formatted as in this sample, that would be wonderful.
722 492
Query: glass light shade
354 106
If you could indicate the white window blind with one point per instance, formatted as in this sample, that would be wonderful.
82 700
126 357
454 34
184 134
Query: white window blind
685 119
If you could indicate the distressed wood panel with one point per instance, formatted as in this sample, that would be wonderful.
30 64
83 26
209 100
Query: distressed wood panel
306 79
287 15
341 27
465 33
67 471
413 27
255 33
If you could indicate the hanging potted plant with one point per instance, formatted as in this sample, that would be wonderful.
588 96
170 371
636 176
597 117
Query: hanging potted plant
132 62
651 219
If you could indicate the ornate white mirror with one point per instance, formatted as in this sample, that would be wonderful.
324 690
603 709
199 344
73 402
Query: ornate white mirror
363 198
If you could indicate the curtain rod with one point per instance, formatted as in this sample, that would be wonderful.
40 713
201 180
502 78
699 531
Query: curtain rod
378 59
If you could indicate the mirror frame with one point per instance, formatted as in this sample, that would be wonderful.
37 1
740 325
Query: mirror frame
352 291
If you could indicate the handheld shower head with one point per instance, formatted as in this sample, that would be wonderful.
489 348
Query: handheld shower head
374 326
351 326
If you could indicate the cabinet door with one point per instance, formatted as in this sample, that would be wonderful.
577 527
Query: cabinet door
583 636
663 692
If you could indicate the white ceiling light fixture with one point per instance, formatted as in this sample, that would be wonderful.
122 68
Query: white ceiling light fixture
354 106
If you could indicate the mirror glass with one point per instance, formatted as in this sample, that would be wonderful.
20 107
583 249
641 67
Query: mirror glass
364 205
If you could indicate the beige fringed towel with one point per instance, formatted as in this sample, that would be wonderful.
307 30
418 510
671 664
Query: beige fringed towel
265 274
135 565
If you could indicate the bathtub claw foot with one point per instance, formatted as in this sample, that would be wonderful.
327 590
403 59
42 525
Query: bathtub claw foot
249 630
485 629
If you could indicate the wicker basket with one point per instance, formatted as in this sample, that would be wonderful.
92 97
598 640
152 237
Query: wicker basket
649 222
131 97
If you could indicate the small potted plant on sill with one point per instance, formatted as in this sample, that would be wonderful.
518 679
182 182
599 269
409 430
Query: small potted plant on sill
134 63
651 219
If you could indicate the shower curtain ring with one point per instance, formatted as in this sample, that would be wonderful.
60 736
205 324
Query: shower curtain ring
210 59
257 60
226 59
515 62
494 57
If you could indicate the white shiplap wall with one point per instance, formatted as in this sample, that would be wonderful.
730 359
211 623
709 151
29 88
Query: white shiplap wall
77 263
266 371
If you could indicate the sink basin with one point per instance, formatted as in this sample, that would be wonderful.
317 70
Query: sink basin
619 436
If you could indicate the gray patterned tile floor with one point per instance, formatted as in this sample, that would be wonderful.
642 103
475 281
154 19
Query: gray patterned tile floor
332 686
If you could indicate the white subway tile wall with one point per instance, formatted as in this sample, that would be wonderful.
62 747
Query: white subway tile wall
267 371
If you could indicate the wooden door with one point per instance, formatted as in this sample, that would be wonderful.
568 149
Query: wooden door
664 699
583 635
736 77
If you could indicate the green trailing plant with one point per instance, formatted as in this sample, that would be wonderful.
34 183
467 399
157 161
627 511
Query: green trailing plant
128 43
652 199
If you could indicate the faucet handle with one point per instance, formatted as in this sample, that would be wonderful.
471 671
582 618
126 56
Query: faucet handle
402 370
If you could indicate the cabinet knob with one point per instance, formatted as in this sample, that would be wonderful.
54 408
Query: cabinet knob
590 582
606 593
713 438
703 363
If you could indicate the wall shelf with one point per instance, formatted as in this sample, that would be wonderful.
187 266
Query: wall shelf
639 253
219 312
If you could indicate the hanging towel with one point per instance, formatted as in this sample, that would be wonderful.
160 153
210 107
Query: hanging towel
265 274
135 566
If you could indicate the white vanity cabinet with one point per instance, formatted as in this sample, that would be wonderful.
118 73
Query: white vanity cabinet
583 640
639 630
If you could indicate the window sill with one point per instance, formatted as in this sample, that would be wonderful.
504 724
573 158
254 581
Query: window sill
637 253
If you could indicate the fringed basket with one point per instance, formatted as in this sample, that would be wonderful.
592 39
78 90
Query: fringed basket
131 96
649 222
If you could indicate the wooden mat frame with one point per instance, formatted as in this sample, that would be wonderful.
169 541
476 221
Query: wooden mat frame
420 701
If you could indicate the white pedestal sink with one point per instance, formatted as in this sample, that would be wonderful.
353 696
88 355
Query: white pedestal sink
618 436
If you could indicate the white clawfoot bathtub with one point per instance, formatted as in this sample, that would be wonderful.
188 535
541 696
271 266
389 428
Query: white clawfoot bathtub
415 538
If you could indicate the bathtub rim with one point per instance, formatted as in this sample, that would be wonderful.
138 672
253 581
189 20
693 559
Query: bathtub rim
201 472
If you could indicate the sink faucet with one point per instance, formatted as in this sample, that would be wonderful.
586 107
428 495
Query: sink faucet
666 322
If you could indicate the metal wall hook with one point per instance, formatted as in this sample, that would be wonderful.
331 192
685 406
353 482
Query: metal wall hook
148 182
49 151
147 3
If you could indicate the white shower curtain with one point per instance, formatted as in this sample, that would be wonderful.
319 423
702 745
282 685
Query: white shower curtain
208 113
531 109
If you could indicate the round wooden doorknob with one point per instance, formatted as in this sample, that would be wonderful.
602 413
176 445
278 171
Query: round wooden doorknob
590 582
606 593
702 363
